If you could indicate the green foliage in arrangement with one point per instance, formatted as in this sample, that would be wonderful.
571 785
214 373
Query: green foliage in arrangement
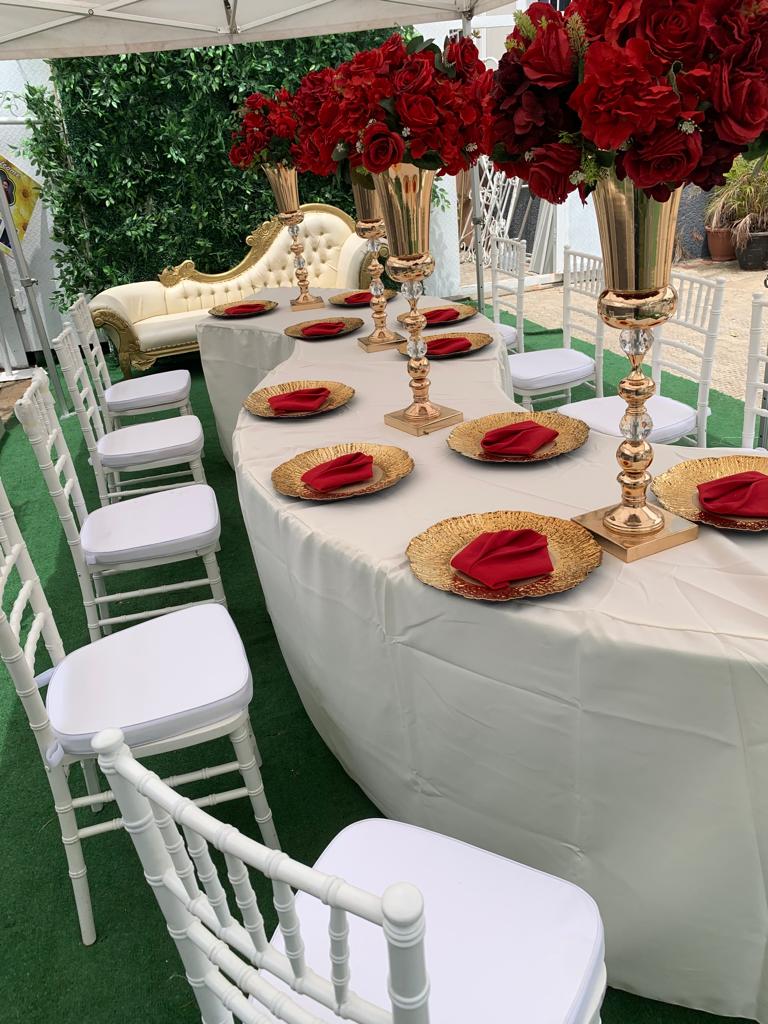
132 150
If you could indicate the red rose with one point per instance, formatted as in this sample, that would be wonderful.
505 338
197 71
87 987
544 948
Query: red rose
393 51
609 20
416 74
381 148
549 172
416 112
668 157
462 53
674 30
717 159
549 60
241 155
740 101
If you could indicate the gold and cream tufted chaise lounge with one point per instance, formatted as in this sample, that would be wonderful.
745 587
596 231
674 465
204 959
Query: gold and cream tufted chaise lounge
150 319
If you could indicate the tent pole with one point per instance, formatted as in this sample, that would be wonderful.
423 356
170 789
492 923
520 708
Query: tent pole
477 210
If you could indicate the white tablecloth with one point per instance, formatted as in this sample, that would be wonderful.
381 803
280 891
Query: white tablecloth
616 735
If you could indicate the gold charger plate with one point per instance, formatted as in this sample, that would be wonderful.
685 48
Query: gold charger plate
676 489
573 550
390 464
258 404
465 439
477 341
338 300
351 323
219 311
465 312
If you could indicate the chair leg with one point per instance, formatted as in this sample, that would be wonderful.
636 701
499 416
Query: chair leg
528 403
92 784
247 759
185 409
62 799
568 395
198 473
92 613
214 578
103 608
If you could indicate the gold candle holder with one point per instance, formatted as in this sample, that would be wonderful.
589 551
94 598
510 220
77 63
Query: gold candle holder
637 238
370 226
285 187
405 195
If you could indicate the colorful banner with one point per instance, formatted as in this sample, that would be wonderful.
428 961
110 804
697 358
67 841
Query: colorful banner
23 193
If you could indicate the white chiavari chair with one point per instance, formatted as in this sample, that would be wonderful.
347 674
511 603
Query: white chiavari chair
153 393
757 376
697 316
139 448
147 532
502 941
508 261
174 682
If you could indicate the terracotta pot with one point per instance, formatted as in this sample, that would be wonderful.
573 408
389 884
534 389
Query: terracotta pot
720 244
754 255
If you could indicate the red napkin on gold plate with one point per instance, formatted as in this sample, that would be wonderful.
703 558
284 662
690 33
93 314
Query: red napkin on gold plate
743 494
346 469
499 558
325 329
440 316
446 346
357 299
523 438
244 307
300 400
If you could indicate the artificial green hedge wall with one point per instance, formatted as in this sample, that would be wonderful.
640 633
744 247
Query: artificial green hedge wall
133 155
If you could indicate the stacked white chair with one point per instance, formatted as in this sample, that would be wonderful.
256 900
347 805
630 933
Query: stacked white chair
699 308
757 375
508 260
173 683
500 941
141 448
150 531
152 393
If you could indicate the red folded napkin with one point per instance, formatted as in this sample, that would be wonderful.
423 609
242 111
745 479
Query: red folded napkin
444 346
325 329
501 557
357 299
523 438
440 316
346 469
300 400
244 307
743 494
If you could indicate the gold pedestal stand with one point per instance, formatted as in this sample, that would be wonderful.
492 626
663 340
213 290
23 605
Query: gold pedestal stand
285 187
370 226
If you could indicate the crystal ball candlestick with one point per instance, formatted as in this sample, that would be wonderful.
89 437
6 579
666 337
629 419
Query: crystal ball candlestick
304 300
381 337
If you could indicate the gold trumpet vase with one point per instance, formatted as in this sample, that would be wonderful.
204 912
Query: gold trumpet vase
370 226
637 237
285 187
405 195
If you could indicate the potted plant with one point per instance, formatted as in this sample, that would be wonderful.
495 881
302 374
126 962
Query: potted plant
743 203
719 227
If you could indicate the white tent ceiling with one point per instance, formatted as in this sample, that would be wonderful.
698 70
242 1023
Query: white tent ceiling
63 28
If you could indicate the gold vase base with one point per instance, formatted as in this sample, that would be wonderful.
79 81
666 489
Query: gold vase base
631 548
307 302
380 341
445 418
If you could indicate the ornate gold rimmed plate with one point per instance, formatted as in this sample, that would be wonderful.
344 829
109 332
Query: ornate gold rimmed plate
571 434
338 300
676 489
390 465
351 323
221 311
477 341
258 401
573 550
465 311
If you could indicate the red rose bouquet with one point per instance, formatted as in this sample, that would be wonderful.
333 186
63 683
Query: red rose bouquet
268 131
666 93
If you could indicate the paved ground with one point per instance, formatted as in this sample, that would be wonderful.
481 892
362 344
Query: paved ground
544 306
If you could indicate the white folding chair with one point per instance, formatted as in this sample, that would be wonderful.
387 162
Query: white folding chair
697 316
757 376
508 261
146 532
504 942
174 682
135 449
155 392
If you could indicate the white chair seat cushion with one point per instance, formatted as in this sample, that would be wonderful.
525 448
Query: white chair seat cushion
162 678
170 329
180 438
671 419
550 368
167 524
155 389
508 335
503 942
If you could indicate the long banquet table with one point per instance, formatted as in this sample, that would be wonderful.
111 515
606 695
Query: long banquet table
615 735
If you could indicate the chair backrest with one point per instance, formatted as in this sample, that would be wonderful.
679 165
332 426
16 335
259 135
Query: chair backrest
508 259
690 352
757 371
582 284
90 346
229 961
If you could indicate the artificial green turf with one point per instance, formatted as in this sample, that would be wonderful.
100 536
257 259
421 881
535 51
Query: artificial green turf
132 972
